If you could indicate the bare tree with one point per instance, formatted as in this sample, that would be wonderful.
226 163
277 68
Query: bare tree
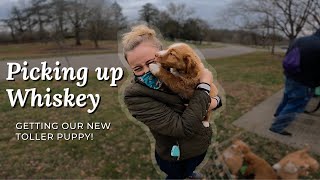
195 29
149 13
287 17
314 19
246 15
59 12
38 13
118 20
10 24
104 20
77 11
179 12
98 20
16 23
292 17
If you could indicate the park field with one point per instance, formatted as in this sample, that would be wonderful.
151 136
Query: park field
124 150
68 48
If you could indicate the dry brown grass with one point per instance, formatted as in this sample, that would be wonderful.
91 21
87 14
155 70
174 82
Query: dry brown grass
68 47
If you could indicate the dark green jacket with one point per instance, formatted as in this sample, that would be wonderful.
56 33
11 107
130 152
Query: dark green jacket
169 120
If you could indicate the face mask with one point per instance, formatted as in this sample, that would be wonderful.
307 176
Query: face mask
150 80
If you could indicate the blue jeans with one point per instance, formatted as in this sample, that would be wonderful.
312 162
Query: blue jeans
295 98
179 169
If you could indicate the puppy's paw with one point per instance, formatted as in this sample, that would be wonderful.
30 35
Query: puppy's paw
205 123
155 68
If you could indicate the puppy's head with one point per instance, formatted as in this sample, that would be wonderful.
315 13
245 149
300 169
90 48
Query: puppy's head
298 162
240 146
179 56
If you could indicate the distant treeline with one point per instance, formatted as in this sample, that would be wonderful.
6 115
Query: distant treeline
57 20
243 37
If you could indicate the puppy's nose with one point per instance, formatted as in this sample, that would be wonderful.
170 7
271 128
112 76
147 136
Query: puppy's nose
157 57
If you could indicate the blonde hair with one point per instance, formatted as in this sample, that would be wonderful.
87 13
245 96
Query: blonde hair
137 35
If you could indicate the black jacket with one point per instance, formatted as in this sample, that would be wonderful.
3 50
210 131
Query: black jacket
309 49
170 121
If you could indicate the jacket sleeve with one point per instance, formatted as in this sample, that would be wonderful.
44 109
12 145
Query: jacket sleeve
218 105
163 120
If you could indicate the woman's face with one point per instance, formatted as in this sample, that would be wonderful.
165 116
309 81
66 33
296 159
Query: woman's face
140 57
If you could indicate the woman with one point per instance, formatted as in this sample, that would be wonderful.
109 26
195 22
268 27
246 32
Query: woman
181 138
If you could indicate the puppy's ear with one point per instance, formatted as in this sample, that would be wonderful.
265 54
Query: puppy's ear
234 140
190 63
306 148
245 149
304 152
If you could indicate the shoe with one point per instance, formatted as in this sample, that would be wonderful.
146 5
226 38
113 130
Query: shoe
285 133
196 175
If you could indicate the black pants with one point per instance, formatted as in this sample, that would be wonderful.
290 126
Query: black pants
179 169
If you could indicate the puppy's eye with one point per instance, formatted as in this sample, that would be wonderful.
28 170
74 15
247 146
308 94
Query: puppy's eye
173 55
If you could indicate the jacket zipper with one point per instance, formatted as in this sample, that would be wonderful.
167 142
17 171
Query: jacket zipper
179 151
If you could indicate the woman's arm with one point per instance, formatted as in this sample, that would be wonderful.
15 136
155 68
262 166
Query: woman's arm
162 119
206 77
215 103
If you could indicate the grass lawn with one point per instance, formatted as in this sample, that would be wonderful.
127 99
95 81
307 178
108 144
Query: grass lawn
247 81
53 49
124 150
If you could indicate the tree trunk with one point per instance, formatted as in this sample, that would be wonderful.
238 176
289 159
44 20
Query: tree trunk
273 45
273 40
61 26
96 44
291 38
77 35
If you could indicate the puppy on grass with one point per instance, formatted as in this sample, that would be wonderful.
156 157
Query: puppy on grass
239 154
258 166
232 157
185 67
295 164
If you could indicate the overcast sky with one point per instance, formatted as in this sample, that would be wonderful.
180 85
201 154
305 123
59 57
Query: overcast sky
205 9
208 10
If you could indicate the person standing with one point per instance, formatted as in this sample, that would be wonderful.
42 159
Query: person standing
181 139
302 74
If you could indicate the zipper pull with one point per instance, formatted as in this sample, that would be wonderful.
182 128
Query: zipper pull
175 151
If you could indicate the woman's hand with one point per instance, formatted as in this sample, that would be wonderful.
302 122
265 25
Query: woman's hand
206 77
213 104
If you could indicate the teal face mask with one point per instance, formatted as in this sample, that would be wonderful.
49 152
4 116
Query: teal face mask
150 80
